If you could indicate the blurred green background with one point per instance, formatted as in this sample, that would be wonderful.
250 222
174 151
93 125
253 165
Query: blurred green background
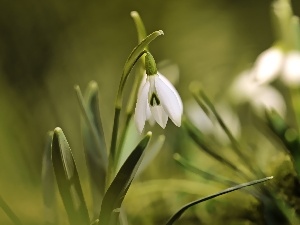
46 47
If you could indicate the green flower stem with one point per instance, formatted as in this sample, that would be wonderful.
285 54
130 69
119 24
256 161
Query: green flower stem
131 104
114 137
137 52
142 34
282 14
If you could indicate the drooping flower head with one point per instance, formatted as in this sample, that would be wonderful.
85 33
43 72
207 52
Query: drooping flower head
275 62
157 99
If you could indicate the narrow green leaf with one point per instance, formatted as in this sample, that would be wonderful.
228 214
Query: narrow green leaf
94 143
140 28
68 180
116 192
199 138
206 175
178 214
48 183
91 111
9 212
235 145
212 177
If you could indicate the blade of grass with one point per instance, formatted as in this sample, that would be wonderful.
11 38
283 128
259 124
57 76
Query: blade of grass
209 176
116 192
235 145
202 142
206 175
68 180
9 212
48 183
178 214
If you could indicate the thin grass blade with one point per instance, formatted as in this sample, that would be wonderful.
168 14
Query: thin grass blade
48 183
178 214
9 212
199 138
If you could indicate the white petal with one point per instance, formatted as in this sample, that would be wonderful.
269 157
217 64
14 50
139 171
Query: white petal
198 117
268 65
140 115
268 97
159 115
169 99
291 69
243 87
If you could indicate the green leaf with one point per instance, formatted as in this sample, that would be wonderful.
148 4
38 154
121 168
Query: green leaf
199 138
203 100
8 211
140 28
178 214
92 129
94 143
206 175
48 183
68 180
117 190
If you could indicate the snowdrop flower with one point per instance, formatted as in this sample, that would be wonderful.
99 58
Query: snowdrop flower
157 99
275 62
260 96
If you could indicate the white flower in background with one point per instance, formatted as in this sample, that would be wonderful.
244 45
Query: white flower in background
275 62
157 99
245 88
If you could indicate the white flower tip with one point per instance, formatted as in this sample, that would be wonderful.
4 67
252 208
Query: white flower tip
177 121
